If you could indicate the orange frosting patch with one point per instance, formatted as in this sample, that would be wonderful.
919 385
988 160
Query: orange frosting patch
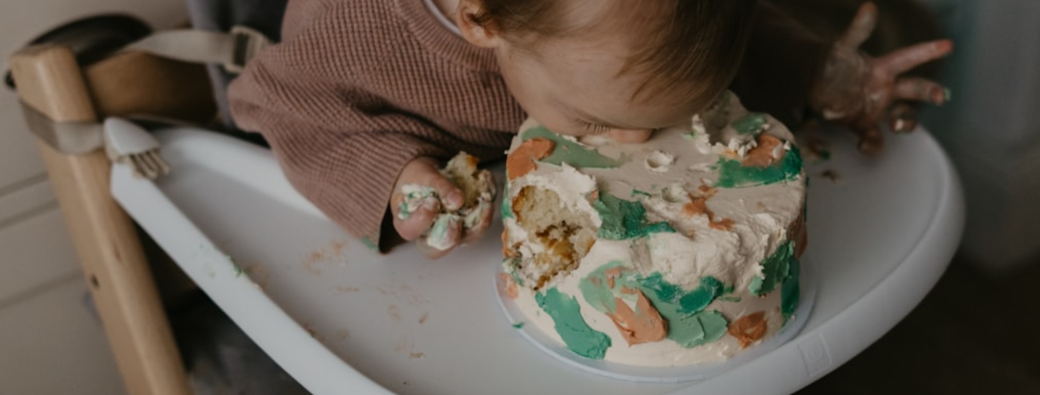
507 286
522 160
699 206
644 325
762 155
593 196
749 329
472 161
507 251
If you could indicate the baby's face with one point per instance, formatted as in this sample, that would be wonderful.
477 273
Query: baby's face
574 86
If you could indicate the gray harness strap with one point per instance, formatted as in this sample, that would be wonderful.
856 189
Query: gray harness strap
75 138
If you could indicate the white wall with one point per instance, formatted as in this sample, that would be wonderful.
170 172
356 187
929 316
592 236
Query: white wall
50 341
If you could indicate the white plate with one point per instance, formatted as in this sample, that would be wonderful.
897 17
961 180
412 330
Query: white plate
344 320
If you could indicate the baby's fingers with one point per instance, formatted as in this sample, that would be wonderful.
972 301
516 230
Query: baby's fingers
413 224
477 231
902 60
871 142
903 118
861 28
920 89
444 236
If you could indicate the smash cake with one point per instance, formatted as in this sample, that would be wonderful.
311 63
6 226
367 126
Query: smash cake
677 251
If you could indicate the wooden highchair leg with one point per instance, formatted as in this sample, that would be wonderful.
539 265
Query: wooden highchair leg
49 79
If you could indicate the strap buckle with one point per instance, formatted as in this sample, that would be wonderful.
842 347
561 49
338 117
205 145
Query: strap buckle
248 43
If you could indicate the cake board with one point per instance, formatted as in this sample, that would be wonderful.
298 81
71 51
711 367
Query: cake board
342 319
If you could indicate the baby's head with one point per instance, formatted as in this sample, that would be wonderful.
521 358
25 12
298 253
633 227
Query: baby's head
594 66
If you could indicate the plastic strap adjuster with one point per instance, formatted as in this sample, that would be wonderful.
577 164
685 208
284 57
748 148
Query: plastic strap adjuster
248 43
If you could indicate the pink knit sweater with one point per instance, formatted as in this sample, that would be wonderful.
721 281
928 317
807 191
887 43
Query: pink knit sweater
358 88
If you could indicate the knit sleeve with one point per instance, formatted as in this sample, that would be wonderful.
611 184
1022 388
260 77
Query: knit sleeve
339 146
782 61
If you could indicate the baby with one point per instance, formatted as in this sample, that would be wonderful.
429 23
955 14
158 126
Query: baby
363 97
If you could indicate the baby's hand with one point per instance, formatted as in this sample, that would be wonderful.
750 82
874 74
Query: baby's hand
429 189
860 91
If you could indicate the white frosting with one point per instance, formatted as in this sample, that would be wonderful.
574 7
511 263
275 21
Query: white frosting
665 174
416 196
658 161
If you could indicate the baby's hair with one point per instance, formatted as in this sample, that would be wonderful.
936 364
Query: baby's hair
673 41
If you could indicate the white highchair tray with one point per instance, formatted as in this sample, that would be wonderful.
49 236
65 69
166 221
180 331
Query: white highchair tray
342 319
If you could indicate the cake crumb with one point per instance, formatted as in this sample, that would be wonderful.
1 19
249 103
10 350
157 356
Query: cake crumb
831 175
658 161
394 312
417 355
345 289
422 319
403 344
327 254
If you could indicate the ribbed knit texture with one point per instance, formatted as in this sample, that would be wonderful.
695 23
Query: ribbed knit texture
357 89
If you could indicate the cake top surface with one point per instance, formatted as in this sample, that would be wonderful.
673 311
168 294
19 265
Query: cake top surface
714 184
723 147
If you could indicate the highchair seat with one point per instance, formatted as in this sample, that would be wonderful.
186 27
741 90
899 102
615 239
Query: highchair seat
342 319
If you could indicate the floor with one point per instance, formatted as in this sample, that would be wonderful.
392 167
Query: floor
972 334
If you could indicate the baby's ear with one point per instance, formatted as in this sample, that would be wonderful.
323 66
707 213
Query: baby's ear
474 26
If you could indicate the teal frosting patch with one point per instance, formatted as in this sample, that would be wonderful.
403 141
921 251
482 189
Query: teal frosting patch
513 267
697 329
636 192
751 123
790 291
689 325
733 174
597 291
507 205
775 269
371 244
624 220
756 285
685 302
569 152
575 332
